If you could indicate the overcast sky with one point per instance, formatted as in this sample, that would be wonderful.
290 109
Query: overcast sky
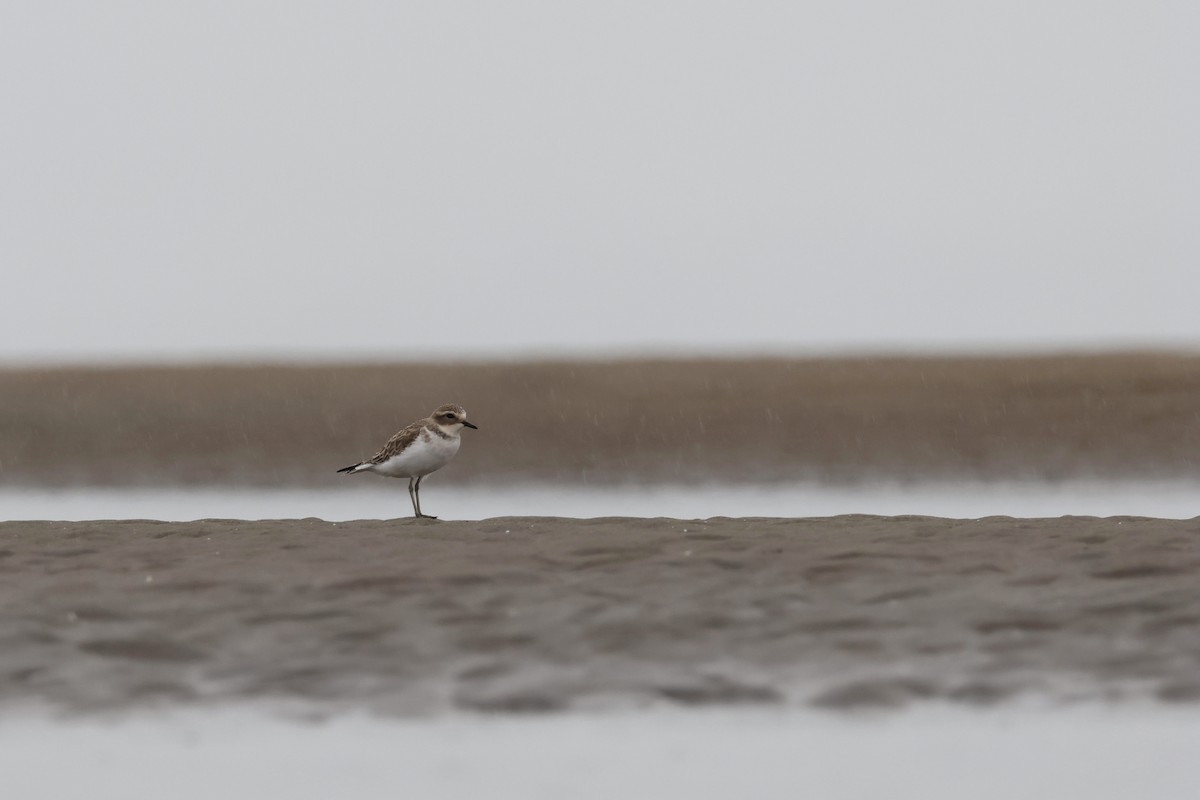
248 179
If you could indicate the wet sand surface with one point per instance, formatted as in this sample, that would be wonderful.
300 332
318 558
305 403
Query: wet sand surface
535 614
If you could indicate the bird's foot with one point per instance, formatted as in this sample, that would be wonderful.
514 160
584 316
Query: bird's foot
425 516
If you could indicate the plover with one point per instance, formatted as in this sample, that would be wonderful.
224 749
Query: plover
423 447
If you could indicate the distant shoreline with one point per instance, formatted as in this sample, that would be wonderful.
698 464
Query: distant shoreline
691 420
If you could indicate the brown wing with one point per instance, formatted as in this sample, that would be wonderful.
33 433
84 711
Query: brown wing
398 443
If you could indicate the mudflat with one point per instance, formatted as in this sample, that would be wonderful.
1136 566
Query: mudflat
528 614
1125 415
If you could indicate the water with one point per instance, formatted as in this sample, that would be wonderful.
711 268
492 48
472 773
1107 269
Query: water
1089 752
387 500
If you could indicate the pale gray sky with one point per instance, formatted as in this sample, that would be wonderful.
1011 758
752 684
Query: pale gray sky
401 179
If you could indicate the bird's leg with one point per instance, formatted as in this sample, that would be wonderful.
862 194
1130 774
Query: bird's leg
412 495
418 500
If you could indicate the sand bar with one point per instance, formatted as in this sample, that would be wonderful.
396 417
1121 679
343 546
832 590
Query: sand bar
536 614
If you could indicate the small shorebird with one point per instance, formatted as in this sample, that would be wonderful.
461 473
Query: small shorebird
423 447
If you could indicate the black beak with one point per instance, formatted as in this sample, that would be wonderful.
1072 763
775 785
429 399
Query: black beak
469 425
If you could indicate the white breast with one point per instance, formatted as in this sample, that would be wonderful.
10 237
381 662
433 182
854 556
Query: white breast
428 453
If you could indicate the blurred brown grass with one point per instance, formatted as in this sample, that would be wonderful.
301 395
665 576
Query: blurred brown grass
842 419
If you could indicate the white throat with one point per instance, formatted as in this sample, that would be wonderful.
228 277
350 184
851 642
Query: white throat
450 430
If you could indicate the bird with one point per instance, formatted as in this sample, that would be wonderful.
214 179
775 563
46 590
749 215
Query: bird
423 447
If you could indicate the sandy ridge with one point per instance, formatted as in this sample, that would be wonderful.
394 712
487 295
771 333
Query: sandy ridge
540 614
547 613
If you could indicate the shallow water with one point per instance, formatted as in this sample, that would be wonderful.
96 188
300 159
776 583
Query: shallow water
388 499
1083 752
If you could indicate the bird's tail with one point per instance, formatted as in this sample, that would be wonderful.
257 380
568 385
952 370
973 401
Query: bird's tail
356 467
